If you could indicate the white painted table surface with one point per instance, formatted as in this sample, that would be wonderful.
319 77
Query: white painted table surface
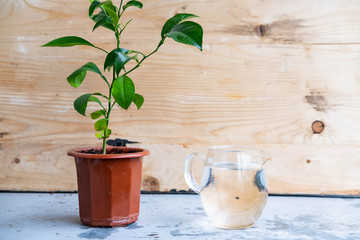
174 216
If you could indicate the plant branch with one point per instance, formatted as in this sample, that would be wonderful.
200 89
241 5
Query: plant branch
125 26
103 77
119 14
101 95
145 57
133 51
101 49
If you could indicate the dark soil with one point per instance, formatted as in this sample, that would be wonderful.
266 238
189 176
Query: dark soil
110 151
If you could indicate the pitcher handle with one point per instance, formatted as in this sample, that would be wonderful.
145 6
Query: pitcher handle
188 173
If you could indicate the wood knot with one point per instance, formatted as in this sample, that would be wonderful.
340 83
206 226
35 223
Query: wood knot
151 184
308 161
2 134
262 31
318 127
17 160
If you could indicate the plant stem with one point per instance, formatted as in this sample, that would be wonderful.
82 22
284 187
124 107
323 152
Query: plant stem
104 145
110 106
117 37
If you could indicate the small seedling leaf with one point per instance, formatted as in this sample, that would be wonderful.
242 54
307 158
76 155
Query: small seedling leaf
138 100
133 4
100 124
106 132
99 135
97 114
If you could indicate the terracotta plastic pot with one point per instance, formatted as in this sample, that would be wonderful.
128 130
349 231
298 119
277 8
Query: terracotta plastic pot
109 186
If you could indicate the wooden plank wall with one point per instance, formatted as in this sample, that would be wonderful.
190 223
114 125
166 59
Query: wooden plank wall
268 71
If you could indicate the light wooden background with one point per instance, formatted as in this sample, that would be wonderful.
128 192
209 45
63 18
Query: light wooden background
269 69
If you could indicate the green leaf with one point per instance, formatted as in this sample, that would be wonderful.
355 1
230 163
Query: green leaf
80 104
136 58
98 17
106 132
93 6
187 32
138 100
100 124
117 58
104 21
124 50
107 25
172 22
107 17
97 114
103 133
75 79
90 66
96 4
99 135
123 91
133 4
68 41
111 11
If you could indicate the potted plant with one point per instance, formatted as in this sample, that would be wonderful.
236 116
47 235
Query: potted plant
109 178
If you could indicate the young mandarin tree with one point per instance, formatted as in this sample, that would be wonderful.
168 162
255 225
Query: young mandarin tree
121 87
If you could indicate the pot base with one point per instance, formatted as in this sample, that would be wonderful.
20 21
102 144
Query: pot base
111 222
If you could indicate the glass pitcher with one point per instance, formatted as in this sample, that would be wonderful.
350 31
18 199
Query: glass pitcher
233 187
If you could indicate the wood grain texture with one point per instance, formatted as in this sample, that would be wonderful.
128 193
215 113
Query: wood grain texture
269 69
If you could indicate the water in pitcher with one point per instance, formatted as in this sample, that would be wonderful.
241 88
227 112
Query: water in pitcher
233 194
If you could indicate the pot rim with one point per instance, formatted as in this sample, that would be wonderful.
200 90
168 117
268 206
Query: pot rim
76 153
